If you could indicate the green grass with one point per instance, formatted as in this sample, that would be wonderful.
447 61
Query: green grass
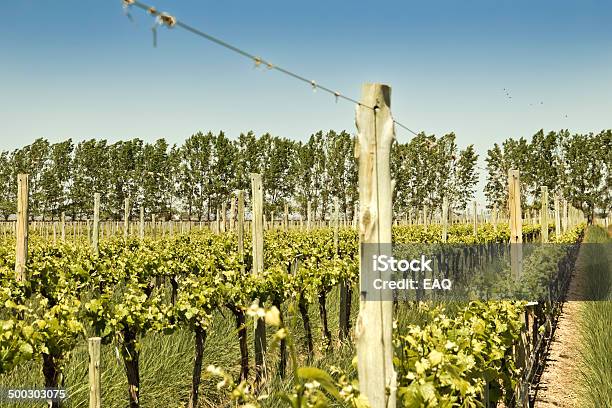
595 386
166 364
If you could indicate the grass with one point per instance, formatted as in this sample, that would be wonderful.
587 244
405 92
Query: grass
166 364
595 382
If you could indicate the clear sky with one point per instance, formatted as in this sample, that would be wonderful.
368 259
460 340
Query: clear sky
81 69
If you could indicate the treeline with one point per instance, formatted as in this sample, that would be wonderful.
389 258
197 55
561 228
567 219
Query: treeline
193 179
575 166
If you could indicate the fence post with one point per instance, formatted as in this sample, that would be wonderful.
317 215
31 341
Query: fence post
373 327
557 217
475 216
445 219
95 392
258 267
565 216
494 217
21 227
345 292
63 226
96 223
516 222
126 218
240 228
232 213
544 214
286 218
141 231
223 217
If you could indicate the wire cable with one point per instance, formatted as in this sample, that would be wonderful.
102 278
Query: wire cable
171 21
257 60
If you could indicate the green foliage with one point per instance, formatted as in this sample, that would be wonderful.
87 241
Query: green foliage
449 361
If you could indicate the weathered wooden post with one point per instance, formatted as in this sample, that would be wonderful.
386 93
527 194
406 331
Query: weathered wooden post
516 222
126 218
95 392
63 226
96 224
232 213
494 217
373 328
152 225
258 267
345 289
141 231
223 217
444 219
286 218
557 217
544 214
565 216
475 217
21 227
240 228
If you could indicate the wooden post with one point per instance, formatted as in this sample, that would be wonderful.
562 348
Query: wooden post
336 223
286 218
217 222
345 292
240 226
223 217
126 218
95 392
445 219
557 217
475 217
142 224
565 216
21 227
516 222
258 267
494 217
544 214
232 213
373 327
96 223
63 226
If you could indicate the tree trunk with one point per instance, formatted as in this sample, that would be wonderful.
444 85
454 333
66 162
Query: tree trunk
282 364
130 360
52 374
303 306
345 309
242 338
323 314
200 338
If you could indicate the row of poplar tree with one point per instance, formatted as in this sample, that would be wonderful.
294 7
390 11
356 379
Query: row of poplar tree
576 167
192 180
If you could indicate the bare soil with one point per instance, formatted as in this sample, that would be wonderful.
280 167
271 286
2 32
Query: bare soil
559 380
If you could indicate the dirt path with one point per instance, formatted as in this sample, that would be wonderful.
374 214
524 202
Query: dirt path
557 387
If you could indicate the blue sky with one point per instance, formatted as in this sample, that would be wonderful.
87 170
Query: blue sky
80 69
